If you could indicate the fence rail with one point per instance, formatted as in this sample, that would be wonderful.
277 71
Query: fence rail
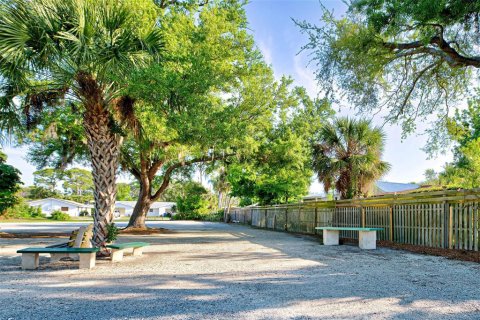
442 219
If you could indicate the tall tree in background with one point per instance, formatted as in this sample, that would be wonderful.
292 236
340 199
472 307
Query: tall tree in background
410 58
9 184
55 53
77 181
48 179
221 186
279 171
348 155
207 100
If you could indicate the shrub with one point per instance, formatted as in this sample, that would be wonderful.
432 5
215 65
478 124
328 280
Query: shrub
84 213
36 212
59 216
23 211
214 217
112 232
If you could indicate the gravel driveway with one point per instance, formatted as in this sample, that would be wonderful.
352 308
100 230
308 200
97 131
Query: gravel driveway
218 271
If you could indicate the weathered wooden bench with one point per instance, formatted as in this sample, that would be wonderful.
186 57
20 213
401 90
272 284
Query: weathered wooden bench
119 248
30 256
367 237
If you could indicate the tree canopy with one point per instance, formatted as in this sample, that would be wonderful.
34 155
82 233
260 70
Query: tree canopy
410 59
279 171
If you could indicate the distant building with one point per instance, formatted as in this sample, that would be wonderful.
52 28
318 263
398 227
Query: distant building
385 187
71 208
157 209
316 197
380 187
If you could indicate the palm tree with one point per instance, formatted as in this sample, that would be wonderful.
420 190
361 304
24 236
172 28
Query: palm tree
71 53
348 156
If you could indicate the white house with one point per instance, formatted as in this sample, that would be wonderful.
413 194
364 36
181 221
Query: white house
157 209
49 205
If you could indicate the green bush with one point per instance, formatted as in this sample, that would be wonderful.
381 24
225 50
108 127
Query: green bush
23 211
59 216
214 217
112 232
36 212
84 213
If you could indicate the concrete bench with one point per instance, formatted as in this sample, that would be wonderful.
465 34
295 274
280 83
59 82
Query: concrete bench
30 256
367 237
119 248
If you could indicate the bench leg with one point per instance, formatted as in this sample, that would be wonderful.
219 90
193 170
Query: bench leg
30 261
117 255
87 260
331 237
137 251
367 240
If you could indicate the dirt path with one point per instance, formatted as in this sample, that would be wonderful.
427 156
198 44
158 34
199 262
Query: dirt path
218 271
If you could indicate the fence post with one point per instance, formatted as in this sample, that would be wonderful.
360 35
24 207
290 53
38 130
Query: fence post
363 216
286 218
447 212
316 222
450 228
391 223
266 221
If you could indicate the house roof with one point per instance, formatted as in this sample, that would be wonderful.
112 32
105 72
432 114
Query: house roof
155 205
386 186
70 202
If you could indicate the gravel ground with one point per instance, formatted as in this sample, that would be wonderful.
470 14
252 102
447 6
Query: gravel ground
218 271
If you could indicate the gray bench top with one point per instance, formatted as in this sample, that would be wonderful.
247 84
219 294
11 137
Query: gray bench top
128 245
58 250
348 229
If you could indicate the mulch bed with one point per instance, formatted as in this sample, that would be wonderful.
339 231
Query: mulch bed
454 254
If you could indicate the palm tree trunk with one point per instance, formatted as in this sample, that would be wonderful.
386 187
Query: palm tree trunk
104 147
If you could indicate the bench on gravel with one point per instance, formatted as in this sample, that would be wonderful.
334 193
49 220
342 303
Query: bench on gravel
30 256
119 248
367 237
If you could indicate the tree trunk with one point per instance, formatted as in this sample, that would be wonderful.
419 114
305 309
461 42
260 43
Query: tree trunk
103 145
137 219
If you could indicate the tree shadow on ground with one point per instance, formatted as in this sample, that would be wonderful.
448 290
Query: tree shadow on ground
336 283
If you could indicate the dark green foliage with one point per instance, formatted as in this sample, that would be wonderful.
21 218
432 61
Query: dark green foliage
9 184
60 216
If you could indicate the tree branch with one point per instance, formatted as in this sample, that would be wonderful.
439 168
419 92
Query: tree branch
168 173
441 49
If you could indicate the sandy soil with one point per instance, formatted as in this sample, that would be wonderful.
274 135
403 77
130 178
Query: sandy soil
218 271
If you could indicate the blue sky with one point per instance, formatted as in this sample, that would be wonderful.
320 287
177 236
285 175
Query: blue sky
280 41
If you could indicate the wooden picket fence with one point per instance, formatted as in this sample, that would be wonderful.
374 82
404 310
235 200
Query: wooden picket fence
441 219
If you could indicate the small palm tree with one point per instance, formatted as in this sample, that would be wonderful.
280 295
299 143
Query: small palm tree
348 156
76 54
